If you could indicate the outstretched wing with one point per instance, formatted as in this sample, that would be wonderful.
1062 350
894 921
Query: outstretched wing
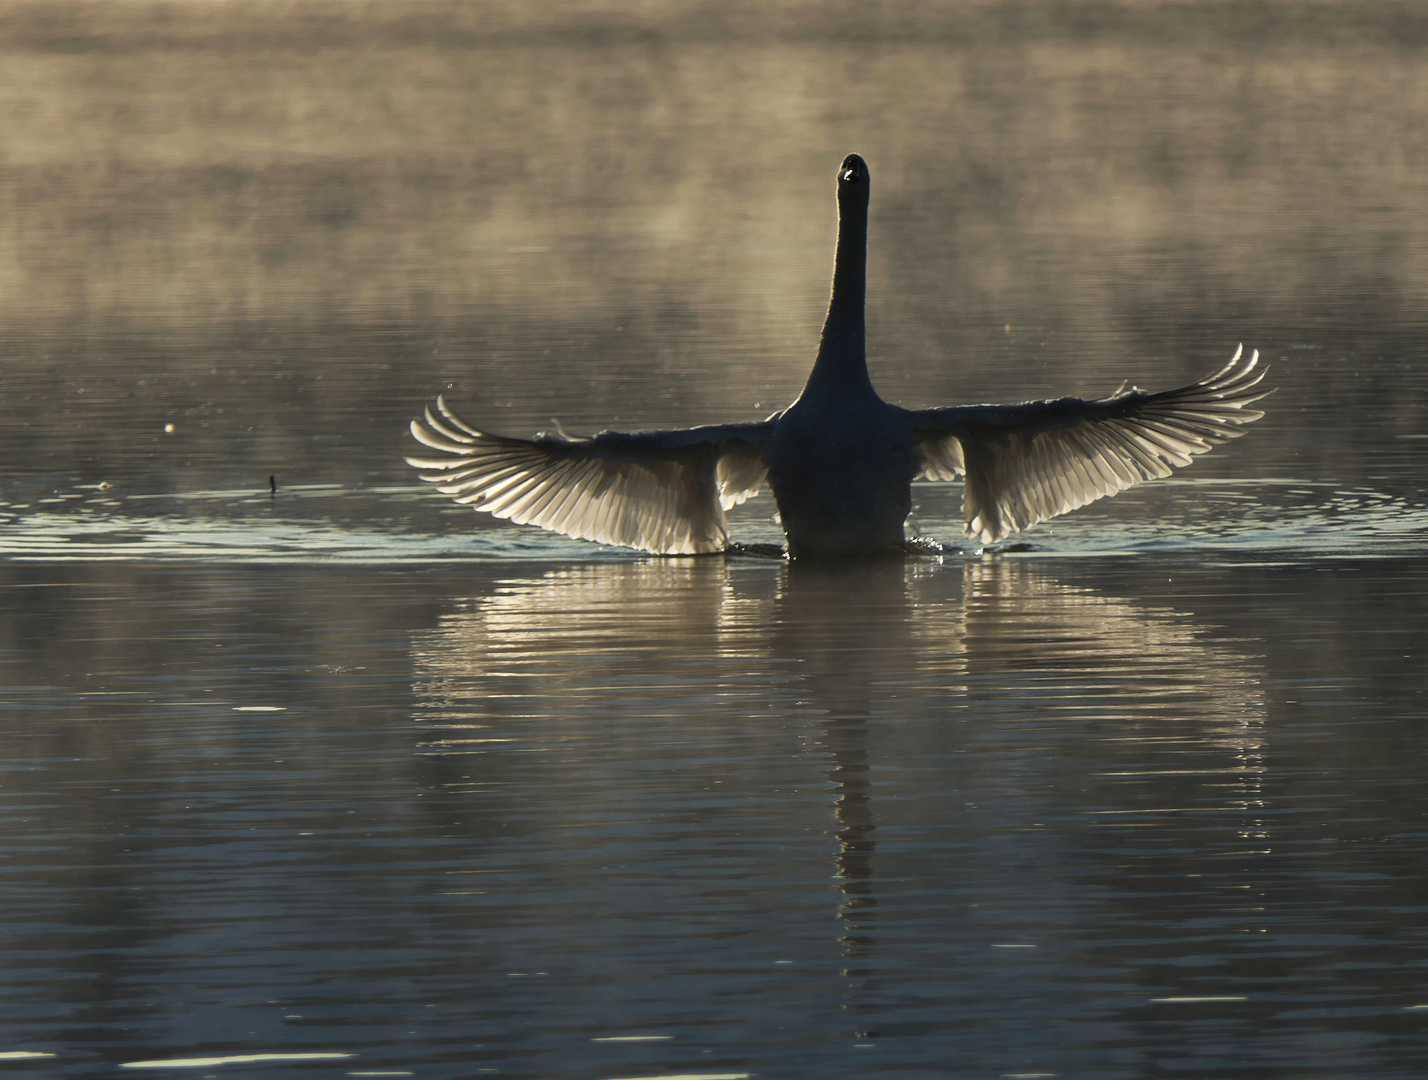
1026 463
661 491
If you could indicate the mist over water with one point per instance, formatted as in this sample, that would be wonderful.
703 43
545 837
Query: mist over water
330 766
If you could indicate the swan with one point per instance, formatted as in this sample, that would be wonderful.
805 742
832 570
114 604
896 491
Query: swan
840 461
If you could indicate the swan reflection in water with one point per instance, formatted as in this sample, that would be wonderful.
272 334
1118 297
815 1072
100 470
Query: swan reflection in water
706 699
839 460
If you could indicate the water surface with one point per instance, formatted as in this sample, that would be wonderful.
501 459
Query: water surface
305 771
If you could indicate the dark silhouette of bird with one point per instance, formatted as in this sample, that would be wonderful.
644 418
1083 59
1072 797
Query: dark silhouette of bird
840 460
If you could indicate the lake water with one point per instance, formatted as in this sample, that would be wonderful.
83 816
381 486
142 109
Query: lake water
339 779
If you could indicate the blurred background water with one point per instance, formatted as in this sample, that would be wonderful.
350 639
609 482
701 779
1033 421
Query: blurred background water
342 769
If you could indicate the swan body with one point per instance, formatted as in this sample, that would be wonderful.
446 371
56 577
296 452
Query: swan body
840 460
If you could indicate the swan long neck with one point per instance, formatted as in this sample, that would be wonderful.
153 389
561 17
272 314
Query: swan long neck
842 350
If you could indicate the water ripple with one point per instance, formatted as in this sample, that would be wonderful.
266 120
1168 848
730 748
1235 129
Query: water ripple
331 523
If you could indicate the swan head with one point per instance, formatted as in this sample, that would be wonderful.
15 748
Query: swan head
853 182
853 172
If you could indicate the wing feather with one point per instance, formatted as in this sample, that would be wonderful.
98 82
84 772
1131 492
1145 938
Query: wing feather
660 491
1026 463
